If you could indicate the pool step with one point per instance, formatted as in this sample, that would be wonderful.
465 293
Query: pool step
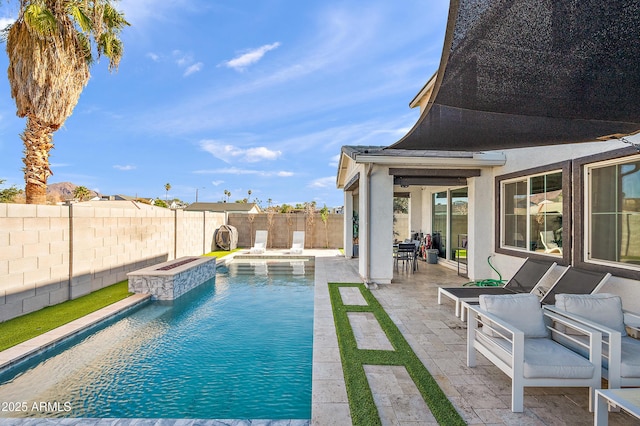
261 267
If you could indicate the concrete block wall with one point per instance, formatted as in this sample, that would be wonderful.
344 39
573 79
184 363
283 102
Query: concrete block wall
49 254
196 227
282 227
34 257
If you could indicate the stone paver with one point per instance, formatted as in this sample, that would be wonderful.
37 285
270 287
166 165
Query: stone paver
397 398
352 296
367 331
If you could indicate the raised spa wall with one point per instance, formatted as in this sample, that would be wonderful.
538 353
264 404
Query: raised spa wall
170 280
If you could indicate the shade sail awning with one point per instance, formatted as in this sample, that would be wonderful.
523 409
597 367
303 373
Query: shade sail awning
527 73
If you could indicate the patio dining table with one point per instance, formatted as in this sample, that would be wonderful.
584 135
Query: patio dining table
407 253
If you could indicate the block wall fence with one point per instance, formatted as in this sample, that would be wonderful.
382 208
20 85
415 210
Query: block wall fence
50 254
281 227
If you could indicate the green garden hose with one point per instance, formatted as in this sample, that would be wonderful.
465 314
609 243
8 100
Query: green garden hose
487 282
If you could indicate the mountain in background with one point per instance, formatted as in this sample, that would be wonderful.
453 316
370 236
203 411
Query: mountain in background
63 191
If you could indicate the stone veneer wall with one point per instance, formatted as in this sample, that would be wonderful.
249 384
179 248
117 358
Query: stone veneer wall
172 283
49 254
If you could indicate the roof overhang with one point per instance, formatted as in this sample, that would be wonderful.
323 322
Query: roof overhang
529 73
411 167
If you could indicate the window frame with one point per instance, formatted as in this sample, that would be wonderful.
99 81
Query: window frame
565 168
581 167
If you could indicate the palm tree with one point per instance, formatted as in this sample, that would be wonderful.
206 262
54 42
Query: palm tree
50 53
81 193
167 187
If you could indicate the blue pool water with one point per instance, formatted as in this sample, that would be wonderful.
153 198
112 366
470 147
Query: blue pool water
237 347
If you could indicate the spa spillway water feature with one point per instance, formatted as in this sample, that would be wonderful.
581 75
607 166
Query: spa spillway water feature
170 280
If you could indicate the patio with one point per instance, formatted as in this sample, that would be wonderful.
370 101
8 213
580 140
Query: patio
481 394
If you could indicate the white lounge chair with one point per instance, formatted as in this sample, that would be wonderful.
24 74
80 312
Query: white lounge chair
297 245
260 244
603 311
510 331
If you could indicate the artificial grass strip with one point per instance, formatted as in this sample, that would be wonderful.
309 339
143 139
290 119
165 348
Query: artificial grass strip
221 253
361 403
25 327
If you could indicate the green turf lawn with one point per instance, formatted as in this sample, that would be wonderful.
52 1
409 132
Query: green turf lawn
361 403
21 329
221 253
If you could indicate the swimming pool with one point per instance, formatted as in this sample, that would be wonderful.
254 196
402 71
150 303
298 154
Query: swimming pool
237 347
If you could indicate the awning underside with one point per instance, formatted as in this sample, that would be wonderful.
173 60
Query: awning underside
533 72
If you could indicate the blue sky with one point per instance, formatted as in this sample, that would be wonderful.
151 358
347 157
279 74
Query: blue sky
240 95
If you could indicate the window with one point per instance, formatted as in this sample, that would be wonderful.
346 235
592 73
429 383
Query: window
612 214
531 213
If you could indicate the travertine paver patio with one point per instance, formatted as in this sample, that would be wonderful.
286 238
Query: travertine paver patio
481 395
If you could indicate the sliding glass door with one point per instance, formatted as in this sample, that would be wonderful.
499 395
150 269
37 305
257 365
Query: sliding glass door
449 218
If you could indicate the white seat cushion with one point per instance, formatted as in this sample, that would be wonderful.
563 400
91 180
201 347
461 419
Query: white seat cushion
630 365
544 358
523 311
601 308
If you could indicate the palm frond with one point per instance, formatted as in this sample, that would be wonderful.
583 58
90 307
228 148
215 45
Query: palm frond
80 17
113 19
85 46
40 19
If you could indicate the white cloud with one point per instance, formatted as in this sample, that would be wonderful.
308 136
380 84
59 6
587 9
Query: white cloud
335 160
325 182
228 152
124 168
217 182
181 58
243 172
239 63
4 22
141 12
193 68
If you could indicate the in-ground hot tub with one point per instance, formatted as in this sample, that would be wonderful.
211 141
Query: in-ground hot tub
172 279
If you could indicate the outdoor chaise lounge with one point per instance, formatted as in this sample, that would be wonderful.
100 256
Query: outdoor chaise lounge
260 243
603 312
575 281
524 280
572 281
297 244
510 331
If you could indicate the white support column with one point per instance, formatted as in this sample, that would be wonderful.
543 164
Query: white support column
481 226
415 210
348 224
376 225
